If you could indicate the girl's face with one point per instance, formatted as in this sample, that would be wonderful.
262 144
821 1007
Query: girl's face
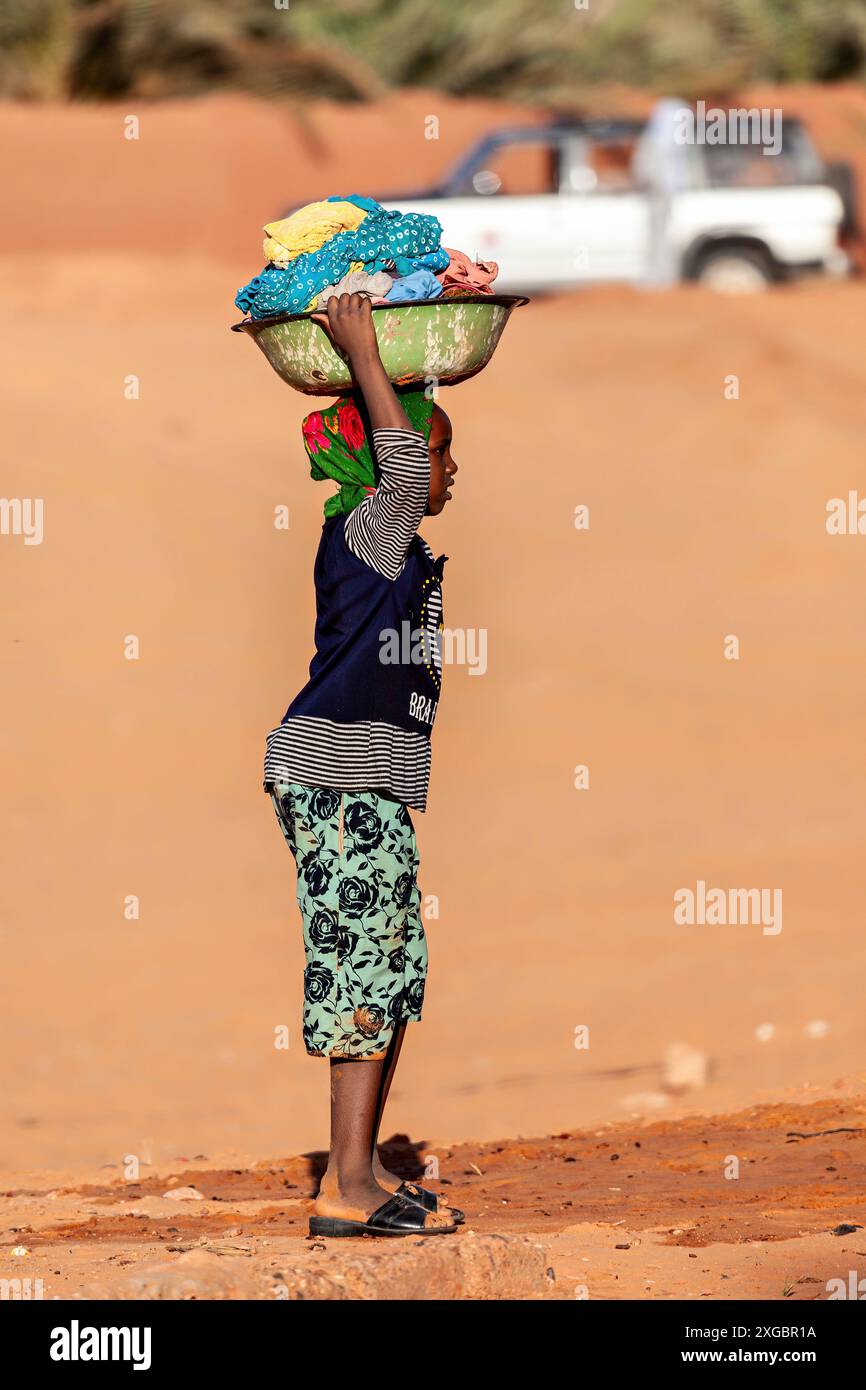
442 465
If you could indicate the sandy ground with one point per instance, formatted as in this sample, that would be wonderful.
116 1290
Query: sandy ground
767 1204
155 1036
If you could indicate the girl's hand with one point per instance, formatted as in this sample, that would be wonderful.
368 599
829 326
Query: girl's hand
349 324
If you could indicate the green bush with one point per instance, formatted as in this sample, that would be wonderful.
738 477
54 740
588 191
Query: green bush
526 50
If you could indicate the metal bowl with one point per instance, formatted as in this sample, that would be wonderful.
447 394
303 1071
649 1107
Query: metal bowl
443 339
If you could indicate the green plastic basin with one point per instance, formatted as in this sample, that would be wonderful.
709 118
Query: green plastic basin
445 339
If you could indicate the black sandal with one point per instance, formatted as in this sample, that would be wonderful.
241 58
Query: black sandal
428 1200
399 1216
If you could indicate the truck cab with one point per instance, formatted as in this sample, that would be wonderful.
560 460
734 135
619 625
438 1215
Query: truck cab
575 202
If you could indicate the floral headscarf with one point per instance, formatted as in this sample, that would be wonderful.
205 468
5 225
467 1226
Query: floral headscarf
338 447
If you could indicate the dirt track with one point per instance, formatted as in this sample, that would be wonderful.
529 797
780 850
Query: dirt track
622 1212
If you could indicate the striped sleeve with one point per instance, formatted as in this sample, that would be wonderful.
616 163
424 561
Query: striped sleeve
380 530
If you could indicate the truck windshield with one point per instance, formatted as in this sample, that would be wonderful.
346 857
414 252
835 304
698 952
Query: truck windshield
516 168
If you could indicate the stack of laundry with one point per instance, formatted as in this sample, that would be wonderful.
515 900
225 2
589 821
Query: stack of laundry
353 244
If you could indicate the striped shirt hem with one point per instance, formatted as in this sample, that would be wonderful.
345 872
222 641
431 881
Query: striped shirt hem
364 756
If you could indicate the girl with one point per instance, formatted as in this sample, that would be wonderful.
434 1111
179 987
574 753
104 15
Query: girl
350 757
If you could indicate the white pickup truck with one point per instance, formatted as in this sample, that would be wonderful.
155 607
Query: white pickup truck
579 202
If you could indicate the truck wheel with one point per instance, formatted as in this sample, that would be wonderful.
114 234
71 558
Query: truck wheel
735 270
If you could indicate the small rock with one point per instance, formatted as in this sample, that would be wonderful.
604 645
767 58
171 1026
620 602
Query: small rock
817 1028
183 1194
684 1067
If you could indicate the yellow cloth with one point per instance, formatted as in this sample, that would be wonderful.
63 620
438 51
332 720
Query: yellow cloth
308 229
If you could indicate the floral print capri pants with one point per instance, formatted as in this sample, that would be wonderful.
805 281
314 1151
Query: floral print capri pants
364 940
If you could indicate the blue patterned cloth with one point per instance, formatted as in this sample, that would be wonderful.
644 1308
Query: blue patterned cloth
432 261
368 204
408 241
421 284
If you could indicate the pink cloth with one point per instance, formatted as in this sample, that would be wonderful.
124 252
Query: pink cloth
472 276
